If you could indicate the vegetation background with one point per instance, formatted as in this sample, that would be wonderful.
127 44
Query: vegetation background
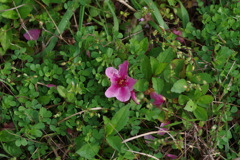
118 79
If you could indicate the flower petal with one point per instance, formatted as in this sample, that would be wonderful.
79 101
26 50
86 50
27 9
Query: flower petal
123 94
32 34
163 129
130 83
111 72
158 99
112 91
149 138
171 156
133 96
123 69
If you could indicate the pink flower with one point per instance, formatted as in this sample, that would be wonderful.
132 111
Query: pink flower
171 156
178 33
163 129
158 98
141 19
121 84
51 85
32 34
149 138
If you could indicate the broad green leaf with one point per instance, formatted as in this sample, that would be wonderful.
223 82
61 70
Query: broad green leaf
118 121
157 67
190 106
141 85
179 86
182 99
11 14
39 126
46 2
115 142
202 78
5 1
200 113
45 113
174 70
6 37
25 10
7 136
70 97
12 149
44 99
89 150
62 91
146 67
206 99
158 84
166 56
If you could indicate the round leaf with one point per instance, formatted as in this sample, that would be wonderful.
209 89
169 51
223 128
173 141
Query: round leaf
200 113
179 86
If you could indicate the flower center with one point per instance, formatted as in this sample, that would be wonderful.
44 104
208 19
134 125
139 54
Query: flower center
122 82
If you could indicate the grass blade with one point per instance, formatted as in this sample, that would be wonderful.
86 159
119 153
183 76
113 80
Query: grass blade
156 13
184 15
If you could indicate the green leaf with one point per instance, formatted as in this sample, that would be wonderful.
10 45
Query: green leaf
190 106
89 150
184 15
206 99
5 1
62 91
156 13
6 136
46 2
45 113
118 121
11 14
157 67
44 99
200 113
71 97
12 149
38 126
115 142
157 84
179 86
6 37
182 99
141 85
202 78
166 56
3 155
146 68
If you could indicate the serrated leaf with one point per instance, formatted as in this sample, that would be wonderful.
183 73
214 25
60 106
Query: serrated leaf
157 84
200 113
88 150
145 67
179 86
190 106
141 85
115 142
206 99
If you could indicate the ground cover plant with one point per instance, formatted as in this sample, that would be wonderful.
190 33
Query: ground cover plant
101 79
